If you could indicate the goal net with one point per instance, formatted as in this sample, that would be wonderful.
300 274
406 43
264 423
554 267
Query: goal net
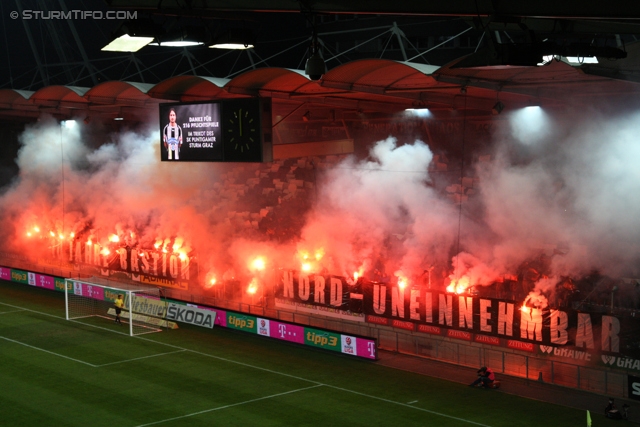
95 298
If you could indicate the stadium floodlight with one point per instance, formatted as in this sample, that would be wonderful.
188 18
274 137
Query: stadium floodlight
95 298
234 38
182 37
132 36
127 43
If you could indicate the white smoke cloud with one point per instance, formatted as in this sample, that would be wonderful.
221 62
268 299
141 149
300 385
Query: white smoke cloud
572 191
364 206
568 191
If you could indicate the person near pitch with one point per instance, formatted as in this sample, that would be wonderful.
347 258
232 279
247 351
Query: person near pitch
486 377
172 137
119 305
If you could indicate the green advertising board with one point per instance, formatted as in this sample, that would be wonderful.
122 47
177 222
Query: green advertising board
19 276
112 294
242 322
59 285
322 339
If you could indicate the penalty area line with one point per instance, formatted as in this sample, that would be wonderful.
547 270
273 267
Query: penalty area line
12 311
47 351
229 406
139 358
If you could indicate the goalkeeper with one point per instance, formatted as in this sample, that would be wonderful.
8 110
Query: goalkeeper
119 304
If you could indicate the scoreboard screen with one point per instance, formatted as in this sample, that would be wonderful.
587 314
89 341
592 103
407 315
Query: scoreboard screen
237 130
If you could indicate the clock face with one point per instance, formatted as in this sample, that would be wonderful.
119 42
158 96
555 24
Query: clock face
243 142
243 131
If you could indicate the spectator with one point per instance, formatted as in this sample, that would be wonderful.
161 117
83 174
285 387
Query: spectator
486 377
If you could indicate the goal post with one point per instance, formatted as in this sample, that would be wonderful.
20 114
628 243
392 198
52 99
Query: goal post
143 311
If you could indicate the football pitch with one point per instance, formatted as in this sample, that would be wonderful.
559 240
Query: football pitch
55 372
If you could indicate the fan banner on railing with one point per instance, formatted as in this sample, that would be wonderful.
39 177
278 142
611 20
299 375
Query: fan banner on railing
567 333
148 266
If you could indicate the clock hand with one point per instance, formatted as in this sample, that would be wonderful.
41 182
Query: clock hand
240 122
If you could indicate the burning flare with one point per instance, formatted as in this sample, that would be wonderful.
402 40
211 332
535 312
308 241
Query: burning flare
458 286
258 264
253 287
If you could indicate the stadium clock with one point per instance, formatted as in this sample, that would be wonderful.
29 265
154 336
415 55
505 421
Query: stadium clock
243 130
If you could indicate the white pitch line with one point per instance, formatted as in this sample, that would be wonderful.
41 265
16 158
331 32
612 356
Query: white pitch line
21 309
12 311
318 383
408 406
413 401
229 406
33 311
232 361
139 358
271 371
47 351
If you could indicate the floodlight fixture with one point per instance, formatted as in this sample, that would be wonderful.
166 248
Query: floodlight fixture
127 43
582 60
234 39
315 66
177 43
132 36
183 37
418 112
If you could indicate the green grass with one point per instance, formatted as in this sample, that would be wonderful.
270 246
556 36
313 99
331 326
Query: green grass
55 372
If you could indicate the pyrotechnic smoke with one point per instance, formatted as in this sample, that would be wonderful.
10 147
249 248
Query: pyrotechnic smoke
381 213
570 194
566 192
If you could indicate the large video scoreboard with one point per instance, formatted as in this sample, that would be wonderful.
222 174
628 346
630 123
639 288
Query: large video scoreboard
236 130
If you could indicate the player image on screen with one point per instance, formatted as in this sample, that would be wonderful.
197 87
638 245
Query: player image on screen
172 137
